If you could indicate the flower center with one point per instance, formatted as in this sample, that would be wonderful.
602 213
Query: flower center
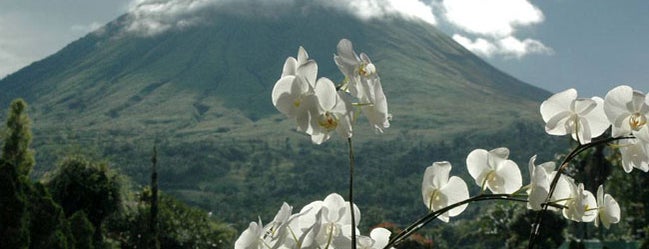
367 69
637 120
332 230
328 121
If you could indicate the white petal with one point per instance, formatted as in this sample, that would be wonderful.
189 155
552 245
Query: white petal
611 213
455 191
325 90
616 108
476 163
597 119
302 56
309 71
557 103
497 156
290 67
510 176
556 125
249 238
381 237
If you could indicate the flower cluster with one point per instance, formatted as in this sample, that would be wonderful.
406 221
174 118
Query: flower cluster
318 106
623 108
320 224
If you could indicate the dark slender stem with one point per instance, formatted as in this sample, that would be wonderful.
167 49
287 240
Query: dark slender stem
536 226
351 191
421 222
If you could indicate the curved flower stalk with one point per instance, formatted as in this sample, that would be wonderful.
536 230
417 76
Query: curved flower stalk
564 113
439 191
362 82
608 210
492 169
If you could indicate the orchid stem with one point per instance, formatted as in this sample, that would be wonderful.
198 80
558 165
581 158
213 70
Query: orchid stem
351 191
421 222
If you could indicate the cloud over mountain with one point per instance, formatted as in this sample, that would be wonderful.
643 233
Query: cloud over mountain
150 17
493 24
489 26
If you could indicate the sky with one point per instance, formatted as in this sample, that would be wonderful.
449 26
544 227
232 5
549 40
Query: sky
589 45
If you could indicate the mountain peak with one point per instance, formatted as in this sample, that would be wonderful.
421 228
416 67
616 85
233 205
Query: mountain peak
217 74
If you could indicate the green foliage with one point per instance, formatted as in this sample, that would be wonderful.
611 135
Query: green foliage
83 230
49 228
18 139
14 216
180 226
81 185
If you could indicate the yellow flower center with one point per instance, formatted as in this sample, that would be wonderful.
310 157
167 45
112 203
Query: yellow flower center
297 102
328 121
637 120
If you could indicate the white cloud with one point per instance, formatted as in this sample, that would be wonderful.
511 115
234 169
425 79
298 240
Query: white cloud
494 24
368 9
509 47
496 18
513 47
479 46
150 17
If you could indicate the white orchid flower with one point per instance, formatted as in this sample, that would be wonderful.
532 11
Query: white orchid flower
378 239
628 111
251 238
331 221
564 113
493 170
541 177
288 94
301 66
608 209
440 191
539 183
635 154
329 110
582 206
363 83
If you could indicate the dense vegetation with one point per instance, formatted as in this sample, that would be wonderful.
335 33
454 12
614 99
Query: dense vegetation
85 204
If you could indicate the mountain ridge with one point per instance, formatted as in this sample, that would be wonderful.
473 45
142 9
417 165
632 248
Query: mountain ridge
202 94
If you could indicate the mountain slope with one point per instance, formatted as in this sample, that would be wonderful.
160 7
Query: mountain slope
202 93
187 80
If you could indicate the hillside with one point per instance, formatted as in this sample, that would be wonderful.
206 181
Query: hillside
203 94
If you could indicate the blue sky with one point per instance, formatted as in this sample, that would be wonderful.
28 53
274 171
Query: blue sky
590 45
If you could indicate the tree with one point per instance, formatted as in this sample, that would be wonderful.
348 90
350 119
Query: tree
154 241
14 216
81 185
16 149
